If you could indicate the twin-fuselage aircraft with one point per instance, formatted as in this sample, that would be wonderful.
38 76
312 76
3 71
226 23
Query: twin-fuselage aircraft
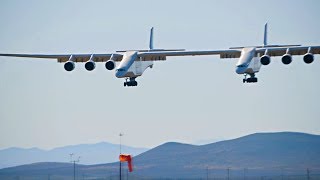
132 63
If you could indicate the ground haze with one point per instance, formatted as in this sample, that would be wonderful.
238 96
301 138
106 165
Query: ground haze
260 154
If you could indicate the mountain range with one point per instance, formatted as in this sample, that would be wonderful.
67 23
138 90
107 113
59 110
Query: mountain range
89 154
261 154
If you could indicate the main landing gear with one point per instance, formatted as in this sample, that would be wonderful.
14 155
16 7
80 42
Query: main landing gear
131 82
251 79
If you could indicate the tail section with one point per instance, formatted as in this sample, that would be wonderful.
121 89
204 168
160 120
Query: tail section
151 48
151 39
265 42
265 39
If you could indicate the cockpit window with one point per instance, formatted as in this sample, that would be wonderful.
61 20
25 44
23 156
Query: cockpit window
120 70
242 65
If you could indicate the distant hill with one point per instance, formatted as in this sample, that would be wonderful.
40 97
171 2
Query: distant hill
90 154
262 154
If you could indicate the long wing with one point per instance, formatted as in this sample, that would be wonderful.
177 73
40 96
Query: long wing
65 57
232 53
160 55
300 50
145 56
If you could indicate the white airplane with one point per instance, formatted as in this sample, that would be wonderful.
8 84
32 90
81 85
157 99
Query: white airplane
132 63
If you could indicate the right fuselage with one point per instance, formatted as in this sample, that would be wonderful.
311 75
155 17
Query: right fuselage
131 66
249 61
128 59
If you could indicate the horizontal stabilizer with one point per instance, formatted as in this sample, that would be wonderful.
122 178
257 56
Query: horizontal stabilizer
289 45
152 50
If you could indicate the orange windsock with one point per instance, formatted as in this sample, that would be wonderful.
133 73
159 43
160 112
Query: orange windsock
126 158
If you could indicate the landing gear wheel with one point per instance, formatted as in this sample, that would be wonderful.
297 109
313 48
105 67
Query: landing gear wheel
130 82
251 79
254 80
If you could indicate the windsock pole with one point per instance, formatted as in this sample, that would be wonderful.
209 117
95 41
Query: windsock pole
120 166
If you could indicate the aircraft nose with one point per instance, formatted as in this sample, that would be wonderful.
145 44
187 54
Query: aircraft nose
119 74
240 70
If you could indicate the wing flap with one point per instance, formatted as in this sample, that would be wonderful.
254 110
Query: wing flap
230 53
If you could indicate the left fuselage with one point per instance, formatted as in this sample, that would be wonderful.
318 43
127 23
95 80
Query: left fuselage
128 59
249 62
131 66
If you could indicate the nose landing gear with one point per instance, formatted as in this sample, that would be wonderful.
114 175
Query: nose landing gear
131 82
251 79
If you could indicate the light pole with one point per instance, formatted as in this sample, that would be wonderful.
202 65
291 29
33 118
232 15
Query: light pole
207 173
74 165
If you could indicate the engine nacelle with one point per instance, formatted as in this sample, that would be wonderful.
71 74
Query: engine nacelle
90 65
69 66
110 65
286 59
308 58
265 60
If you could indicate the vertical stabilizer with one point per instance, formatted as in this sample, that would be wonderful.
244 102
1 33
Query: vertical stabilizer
265 39
151 39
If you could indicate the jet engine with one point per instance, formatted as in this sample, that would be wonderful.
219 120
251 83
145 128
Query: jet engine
110 65
90 65
286 59
69 66
308 58
265 60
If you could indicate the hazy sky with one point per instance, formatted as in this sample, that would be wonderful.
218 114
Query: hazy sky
185 99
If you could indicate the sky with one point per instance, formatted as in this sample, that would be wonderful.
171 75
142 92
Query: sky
184 99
